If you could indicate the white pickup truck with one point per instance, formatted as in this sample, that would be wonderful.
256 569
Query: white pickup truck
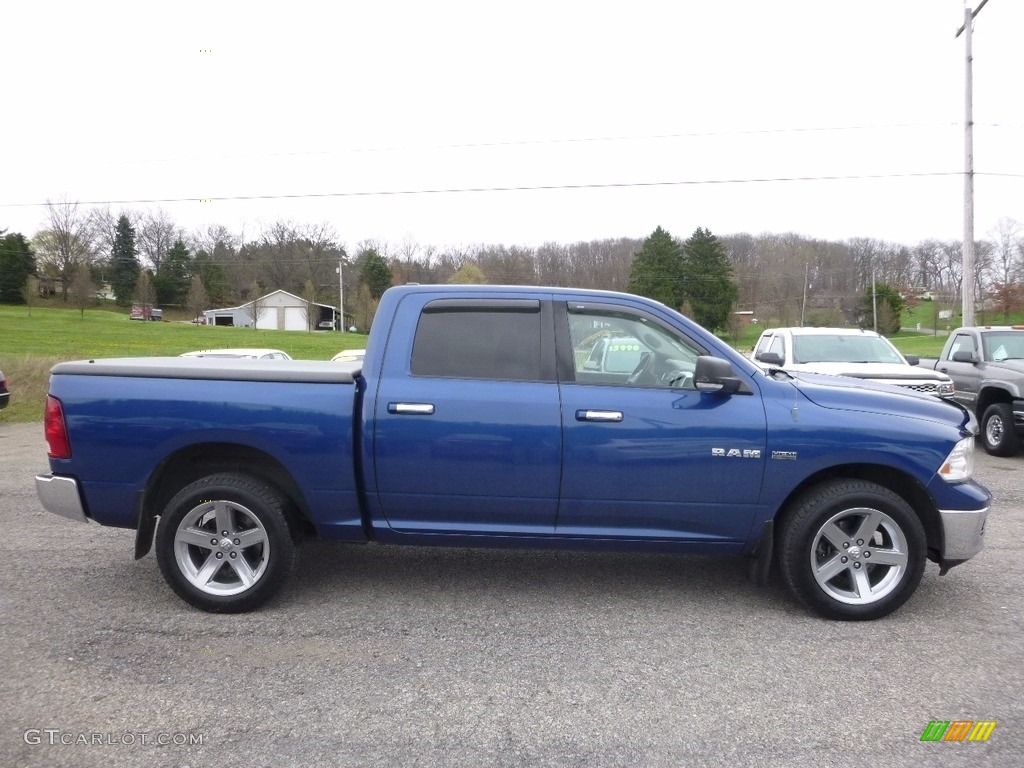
847 352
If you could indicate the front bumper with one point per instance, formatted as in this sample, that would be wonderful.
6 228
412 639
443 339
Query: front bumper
60 495
963 534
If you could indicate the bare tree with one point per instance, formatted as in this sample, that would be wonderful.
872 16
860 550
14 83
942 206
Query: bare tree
258 303
1005 268
310 309
144 292
214 239
155 236
319 253
196 299
30 293
83 289
65 243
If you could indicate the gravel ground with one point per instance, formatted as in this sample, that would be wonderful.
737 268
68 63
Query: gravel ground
378 656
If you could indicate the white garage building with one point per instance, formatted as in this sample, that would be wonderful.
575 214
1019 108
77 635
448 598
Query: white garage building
278 310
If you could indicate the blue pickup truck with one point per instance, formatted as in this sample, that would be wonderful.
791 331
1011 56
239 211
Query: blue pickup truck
480 416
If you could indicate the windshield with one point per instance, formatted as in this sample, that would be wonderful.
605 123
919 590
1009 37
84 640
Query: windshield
840 348
1004 345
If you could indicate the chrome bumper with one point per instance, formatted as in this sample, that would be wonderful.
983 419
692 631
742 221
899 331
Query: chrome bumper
60 495
964 532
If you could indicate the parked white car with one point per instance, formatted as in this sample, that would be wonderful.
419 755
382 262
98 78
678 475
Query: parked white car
847 352
349 356
241 353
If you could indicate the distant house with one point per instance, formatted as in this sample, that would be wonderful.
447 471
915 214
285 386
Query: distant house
278 310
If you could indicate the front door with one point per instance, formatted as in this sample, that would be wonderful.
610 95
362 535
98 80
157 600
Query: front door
646 455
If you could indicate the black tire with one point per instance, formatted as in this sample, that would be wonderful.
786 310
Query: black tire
998 433
226 543
831 573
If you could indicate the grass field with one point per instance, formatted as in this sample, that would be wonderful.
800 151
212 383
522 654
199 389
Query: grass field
30 344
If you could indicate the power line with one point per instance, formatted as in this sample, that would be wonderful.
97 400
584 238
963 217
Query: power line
576 140
523 188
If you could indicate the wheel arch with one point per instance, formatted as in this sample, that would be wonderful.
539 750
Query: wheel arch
991 394
900 483
196 461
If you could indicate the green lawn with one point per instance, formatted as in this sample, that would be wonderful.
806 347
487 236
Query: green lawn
31 343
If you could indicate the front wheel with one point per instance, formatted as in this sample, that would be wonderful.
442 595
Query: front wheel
852 550
224 543
998 434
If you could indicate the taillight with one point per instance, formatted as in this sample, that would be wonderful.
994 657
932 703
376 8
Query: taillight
56 430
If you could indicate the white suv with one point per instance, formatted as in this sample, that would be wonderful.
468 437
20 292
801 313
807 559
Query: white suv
846 352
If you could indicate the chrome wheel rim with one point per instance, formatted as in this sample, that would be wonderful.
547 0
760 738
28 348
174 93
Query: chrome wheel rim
221 548
859 556
994 430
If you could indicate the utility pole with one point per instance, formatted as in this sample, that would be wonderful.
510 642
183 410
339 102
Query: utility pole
874 300
803 307
341 297
967 286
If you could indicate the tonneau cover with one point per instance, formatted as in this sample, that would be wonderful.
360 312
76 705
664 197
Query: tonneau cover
302 371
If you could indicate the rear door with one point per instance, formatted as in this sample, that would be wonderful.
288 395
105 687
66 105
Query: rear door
467 418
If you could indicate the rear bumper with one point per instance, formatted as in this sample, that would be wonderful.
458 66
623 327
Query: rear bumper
60 495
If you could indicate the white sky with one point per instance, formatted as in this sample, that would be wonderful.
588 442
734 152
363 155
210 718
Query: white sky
120 101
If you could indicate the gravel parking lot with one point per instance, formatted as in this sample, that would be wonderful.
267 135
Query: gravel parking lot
376 656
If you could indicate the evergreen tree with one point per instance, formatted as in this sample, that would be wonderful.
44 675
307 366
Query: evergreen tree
657 270
707 280
124 262
375 273
889 304
174 277
17 263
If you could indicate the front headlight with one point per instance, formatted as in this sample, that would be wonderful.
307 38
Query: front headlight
945 388
959 465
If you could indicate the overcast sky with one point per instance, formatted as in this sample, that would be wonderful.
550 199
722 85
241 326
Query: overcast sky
586 120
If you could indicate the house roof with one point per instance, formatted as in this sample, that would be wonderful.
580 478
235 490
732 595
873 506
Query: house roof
298 299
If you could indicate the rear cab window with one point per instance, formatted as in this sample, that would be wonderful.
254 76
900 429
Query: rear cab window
497 339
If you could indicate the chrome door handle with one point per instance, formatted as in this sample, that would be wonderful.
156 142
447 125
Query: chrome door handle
610 416
415 409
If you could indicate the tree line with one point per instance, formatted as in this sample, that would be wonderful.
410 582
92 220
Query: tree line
786 279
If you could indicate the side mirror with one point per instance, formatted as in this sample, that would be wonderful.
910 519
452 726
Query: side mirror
771 358
964 356
913 359
713 374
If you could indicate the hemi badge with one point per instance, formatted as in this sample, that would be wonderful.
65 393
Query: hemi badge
784 455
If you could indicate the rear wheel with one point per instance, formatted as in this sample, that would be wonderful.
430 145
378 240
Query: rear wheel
998 434
852 549
224 543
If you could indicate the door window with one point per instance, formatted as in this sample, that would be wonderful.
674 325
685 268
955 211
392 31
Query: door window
467 342
611 346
